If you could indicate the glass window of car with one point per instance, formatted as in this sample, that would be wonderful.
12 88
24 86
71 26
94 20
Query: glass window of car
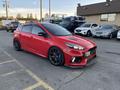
67 19
36 29
106 27
19 27
86 25
56 29
27 28
94 25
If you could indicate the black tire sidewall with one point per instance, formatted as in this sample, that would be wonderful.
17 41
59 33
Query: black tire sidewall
88 33
62 60
18 43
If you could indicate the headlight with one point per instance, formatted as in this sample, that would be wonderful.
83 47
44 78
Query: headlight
74 46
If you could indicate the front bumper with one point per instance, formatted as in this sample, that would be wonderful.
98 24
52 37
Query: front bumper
101 36
84 61
82 32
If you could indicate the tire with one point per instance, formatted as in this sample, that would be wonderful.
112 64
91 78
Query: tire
111 36
17 45
7 30
89 33
56 56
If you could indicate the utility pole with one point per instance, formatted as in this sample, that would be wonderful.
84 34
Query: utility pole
41 10
6 8
49 8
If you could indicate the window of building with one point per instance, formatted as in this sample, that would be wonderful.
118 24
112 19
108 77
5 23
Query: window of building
104 17
108 17
111 17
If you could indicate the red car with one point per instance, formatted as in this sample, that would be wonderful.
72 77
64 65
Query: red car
55 43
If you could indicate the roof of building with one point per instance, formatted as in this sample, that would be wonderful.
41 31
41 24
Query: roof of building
99 8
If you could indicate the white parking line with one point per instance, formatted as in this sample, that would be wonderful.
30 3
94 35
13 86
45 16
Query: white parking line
11 73
40 81
7 62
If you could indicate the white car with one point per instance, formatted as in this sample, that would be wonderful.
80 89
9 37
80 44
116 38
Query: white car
118 35
86 29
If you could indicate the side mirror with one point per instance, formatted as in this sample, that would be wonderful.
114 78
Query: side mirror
42 34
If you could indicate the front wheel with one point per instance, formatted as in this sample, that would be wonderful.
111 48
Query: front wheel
17 45
56 56
89 33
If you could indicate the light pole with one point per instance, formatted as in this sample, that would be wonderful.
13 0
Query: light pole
6 8
41 10
49 8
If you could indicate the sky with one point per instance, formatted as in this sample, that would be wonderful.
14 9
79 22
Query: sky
32 6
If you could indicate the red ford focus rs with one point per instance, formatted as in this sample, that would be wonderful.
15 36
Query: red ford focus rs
55 43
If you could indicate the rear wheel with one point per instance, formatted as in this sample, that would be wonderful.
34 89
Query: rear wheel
56 56
17 45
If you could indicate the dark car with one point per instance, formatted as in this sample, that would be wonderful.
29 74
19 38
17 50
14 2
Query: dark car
72 22
12 26
106 31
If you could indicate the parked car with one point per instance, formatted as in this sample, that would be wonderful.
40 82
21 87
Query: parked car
55 43
86 29
106 31
12 26
118 35
72 22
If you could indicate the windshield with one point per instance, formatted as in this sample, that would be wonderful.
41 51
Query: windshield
15 23
56 29
86 25
106 27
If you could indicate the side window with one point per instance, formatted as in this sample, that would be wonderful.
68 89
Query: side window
36 30
27 28
19 27
94 25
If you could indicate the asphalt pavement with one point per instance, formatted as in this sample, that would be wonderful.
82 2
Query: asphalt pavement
26 71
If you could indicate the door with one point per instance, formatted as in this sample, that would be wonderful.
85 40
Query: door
40 44
25 36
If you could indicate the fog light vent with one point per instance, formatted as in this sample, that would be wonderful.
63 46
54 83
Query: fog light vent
76 60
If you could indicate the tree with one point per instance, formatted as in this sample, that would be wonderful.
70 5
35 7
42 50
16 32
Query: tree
31 16
28 16
18 16
46 15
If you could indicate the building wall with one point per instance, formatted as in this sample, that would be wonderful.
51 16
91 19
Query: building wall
96 19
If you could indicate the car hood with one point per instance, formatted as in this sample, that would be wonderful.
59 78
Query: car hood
103 30
83 28
77 40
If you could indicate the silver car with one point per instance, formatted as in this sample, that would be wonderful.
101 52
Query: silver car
118 35
106 31
86 29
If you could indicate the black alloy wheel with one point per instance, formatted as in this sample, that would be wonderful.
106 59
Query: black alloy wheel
56 56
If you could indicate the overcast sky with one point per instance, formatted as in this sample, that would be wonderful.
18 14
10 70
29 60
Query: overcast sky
64 6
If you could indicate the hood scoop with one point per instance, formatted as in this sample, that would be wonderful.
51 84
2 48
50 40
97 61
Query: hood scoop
71 38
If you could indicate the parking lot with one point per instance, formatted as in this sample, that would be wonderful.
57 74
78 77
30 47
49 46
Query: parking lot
25 71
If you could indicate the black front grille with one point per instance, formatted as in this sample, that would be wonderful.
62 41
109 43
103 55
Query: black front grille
78 30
